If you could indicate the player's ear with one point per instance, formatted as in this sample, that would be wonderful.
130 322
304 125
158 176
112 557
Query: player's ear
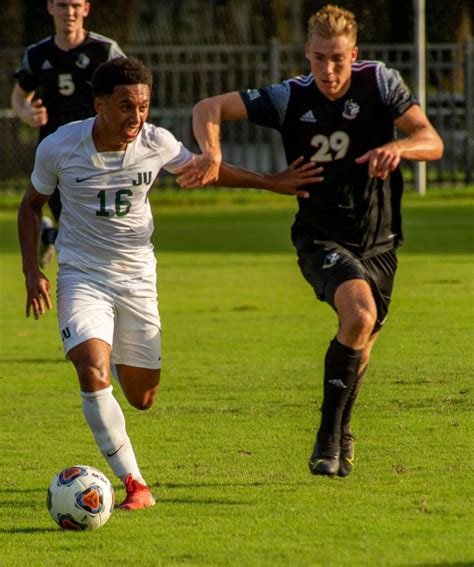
87 9
50 7
306 51
98 104
355 54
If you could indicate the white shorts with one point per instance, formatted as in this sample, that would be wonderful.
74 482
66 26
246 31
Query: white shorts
124 314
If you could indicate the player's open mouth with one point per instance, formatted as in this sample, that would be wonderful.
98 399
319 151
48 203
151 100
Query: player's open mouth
131 132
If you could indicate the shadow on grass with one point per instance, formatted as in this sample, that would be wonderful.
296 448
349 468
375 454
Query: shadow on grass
258 483
28 530
209 501
34 360
20 490
444 564
429 228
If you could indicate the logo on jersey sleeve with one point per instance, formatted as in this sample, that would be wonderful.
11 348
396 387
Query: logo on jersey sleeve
253 94
82 61
308 117
351 109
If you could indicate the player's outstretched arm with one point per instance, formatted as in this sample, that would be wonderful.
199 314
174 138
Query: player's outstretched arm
32 113
29 224
207 117
422 143
286 182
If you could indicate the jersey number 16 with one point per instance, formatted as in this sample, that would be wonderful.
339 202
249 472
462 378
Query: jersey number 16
122 205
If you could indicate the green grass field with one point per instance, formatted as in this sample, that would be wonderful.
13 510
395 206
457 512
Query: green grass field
226 446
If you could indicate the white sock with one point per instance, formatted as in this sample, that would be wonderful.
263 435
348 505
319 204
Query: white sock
107 423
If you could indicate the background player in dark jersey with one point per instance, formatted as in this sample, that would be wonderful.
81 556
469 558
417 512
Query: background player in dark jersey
54 84
342 116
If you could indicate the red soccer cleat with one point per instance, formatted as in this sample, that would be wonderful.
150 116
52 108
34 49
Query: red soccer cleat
138 495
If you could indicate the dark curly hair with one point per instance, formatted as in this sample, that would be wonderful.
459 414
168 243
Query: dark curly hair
120 71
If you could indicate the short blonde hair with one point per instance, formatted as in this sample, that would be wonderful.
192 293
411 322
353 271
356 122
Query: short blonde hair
333 21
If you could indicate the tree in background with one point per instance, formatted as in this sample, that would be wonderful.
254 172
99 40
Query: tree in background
24 22
236 21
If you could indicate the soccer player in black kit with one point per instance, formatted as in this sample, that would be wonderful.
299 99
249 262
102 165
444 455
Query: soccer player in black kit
54 84
343 117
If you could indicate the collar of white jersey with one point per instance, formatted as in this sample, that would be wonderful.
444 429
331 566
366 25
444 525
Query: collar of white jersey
88 141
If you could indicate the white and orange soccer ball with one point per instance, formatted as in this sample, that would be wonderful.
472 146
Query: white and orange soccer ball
80 498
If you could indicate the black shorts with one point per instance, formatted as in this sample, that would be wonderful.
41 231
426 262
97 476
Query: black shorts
326 265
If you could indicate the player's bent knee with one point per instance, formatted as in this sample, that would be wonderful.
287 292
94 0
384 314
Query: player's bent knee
358 324
92 378
91 361
143 404
366 321
143 401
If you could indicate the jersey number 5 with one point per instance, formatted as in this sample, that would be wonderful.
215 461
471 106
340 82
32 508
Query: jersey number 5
66 85
337 142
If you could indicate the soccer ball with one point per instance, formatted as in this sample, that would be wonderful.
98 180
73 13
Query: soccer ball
80 498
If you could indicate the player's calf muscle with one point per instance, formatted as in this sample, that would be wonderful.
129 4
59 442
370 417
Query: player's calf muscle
140 385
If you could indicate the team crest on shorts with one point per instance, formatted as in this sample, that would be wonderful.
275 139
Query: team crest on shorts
351 109
330 260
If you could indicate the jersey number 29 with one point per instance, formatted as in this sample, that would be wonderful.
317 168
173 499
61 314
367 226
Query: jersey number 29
337 142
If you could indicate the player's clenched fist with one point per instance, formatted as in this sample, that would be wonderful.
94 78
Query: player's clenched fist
381 161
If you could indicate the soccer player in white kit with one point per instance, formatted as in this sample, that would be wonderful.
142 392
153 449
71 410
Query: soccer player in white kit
106 293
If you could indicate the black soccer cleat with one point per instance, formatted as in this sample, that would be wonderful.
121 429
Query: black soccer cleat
346 460
325 458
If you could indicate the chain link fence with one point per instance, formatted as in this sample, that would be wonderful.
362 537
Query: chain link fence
184 74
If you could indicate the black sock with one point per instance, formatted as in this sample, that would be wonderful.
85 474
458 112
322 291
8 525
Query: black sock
55 206
48 235
340 372
347 413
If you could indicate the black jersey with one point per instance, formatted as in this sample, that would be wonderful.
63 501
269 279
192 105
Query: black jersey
63 78
348 207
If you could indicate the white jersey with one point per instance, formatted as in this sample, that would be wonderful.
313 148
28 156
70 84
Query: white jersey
106 220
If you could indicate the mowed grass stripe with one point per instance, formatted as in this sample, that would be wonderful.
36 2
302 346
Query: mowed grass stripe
226 445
